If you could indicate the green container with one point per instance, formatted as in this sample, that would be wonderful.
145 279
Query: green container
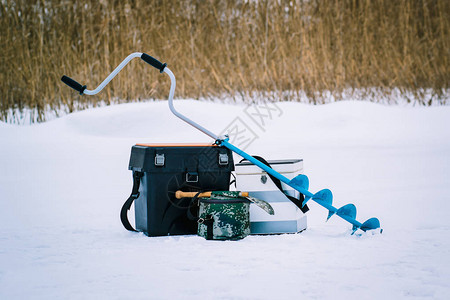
224 218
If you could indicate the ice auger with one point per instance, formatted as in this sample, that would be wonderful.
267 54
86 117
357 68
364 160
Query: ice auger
300 182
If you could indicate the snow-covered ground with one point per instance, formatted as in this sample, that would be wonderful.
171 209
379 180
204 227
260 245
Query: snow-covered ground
62 184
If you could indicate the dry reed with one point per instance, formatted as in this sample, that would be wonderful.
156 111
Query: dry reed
218 48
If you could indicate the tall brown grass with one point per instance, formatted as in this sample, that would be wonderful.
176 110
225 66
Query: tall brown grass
218 48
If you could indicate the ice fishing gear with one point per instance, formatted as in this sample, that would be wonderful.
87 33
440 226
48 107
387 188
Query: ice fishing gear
300 183
223 218
224 215
161 170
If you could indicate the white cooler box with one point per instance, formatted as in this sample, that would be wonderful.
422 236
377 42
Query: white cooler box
288 218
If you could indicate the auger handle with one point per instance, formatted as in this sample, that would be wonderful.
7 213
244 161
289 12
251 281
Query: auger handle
162 67
73 84
83 90
181 194
153 62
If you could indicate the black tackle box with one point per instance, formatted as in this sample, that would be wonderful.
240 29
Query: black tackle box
166 168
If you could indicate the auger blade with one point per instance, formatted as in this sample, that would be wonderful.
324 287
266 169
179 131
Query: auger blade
307 198
324 197
301 181
348 213
372 223
330 214
348 210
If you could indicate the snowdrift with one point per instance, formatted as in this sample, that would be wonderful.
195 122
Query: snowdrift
62 184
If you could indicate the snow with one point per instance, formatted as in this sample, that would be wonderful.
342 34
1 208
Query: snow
62 184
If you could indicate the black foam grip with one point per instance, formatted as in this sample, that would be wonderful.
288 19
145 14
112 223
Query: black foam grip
153 62
73 84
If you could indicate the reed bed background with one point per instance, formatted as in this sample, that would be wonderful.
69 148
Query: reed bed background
294 49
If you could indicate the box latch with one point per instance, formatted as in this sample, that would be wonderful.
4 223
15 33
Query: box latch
223 159
159 160
191 177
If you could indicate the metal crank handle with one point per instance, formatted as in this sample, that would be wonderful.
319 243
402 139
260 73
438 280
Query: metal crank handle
162 67
82 88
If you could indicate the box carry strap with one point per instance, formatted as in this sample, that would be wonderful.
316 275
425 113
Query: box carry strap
277 182
134 195
208 221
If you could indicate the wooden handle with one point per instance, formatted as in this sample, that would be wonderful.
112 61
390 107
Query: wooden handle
181 194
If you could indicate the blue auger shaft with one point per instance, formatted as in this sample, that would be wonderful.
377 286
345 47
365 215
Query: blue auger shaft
284 179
